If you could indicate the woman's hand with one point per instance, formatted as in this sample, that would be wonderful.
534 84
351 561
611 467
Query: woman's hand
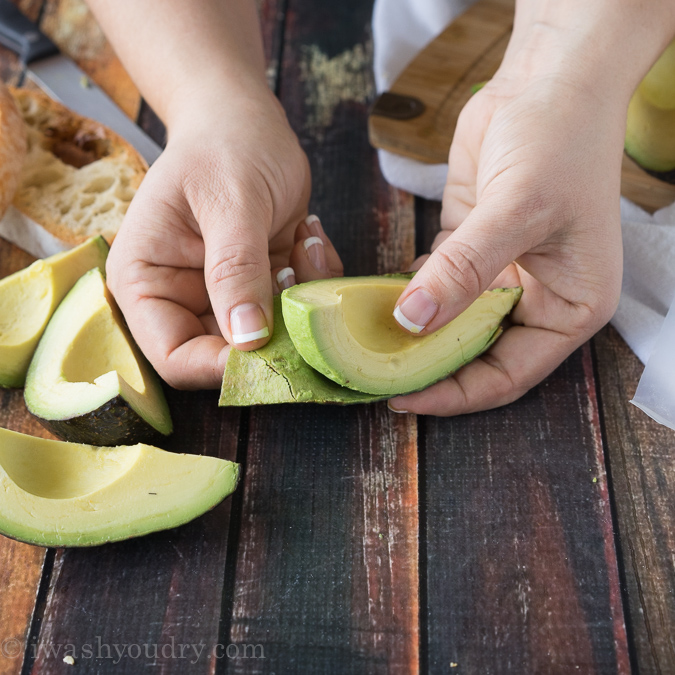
532 197
218 216
533 177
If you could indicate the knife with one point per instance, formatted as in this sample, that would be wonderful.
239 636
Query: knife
59 77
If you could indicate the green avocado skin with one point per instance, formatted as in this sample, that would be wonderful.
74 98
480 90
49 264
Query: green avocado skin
277 373
113 423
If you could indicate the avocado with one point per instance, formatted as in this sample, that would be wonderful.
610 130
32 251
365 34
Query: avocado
276 373
88 381
65 494
650 125
345 329
28 299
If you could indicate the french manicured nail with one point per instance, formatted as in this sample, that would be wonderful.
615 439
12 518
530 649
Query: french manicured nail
286 278
248 323
396 410
316 254
415 312
314 226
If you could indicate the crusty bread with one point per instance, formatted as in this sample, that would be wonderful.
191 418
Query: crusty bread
78 176
12 148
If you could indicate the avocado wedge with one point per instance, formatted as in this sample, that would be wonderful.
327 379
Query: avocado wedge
344 328
650 125
28 299
88 381
276 373
64 494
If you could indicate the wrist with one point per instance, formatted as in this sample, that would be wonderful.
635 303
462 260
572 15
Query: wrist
212 102
603 48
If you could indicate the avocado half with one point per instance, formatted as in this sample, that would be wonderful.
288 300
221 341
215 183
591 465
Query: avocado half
28 299
345 329
88 381
650 125
65 494
276 373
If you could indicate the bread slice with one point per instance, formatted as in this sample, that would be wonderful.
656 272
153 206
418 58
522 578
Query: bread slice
12 148
78 176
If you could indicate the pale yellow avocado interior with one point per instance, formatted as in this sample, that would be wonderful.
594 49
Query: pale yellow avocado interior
29 297
345 329
67 494
75 471
33 290
368 315
99 347
87 357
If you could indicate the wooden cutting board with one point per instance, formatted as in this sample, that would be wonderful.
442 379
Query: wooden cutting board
417 116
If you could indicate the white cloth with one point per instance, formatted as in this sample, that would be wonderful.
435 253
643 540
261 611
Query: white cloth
401 28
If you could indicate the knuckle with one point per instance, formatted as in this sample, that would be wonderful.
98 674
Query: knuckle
236 261
461 267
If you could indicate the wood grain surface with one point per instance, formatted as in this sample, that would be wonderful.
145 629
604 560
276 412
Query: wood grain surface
326 573
517 543
642 471
468 51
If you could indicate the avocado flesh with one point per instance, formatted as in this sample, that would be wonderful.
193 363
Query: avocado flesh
88 381
345 329
276 373
64 494
28 299
650 125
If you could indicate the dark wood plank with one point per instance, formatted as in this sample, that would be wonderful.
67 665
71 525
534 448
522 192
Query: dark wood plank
20 573
519 558
642 470
326 572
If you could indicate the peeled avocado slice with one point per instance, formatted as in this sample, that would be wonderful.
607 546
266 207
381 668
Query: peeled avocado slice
650 125
276 373
88 381
28 299
64 494
344 328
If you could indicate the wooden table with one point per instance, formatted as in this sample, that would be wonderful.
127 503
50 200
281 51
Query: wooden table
538 538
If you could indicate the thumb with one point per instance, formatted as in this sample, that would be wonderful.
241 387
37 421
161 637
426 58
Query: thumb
457 272
237 274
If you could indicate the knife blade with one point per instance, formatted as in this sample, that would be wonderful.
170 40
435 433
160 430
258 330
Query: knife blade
61 79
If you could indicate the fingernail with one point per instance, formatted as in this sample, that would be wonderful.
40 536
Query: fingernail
415 312
314 226
316 254
396 410
248 323
286 278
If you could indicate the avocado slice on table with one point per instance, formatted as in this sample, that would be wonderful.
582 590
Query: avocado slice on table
28 299
88 381
276 373
650 125
345 329
65 494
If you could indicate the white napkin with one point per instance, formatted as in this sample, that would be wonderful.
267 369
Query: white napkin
401 28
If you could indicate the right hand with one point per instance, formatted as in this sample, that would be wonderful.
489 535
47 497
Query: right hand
224 206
